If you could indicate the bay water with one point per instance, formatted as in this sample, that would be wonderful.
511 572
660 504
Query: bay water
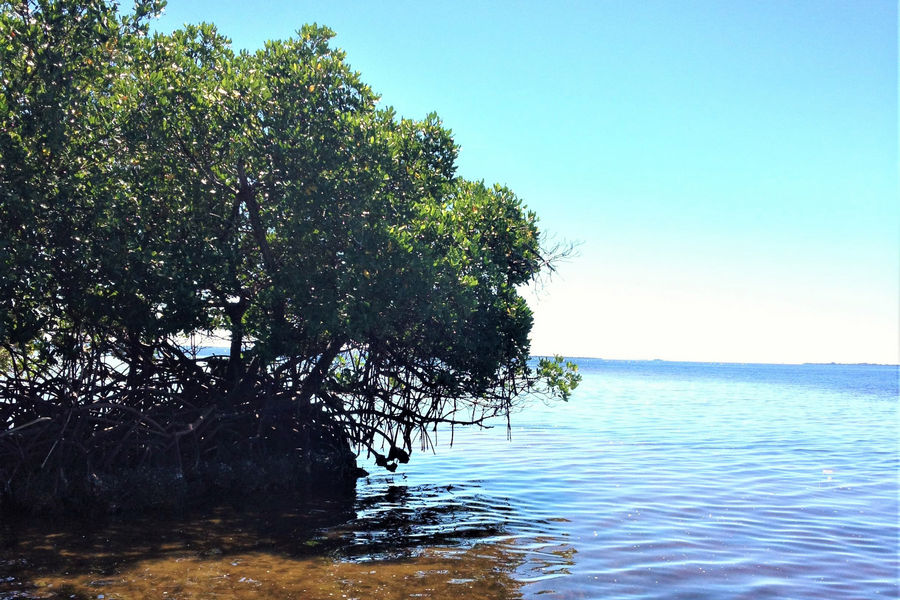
657 480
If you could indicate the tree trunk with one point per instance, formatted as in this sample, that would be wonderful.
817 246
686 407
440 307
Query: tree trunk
235 370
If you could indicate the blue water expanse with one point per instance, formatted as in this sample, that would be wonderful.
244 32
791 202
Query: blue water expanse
657 480
663 480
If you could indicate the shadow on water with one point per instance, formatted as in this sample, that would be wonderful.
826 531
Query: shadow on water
390 541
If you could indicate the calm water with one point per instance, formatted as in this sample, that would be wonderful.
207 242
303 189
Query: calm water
657 480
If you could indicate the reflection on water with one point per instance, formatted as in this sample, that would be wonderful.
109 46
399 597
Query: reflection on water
390 542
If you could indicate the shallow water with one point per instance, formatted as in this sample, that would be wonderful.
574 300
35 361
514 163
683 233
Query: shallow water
657 480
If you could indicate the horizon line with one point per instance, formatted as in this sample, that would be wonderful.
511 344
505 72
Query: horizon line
722 362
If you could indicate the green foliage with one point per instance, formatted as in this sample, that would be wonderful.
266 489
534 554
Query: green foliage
164 186
559 374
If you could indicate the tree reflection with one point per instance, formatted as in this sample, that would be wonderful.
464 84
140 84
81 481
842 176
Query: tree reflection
394 542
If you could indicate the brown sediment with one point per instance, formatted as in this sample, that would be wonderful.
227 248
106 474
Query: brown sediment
482 572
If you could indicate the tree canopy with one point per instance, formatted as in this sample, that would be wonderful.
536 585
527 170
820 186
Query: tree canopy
158 187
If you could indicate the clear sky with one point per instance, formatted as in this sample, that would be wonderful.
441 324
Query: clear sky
730 168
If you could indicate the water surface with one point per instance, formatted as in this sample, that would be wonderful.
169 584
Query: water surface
657 480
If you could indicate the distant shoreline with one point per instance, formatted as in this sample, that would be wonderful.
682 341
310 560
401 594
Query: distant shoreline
207 350
716 362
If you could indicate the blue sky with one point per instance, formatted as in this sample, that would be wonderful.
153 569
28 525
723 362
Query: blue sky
730 168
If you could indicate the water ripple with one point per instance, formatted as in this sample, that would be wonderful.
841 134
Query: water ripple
712 487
